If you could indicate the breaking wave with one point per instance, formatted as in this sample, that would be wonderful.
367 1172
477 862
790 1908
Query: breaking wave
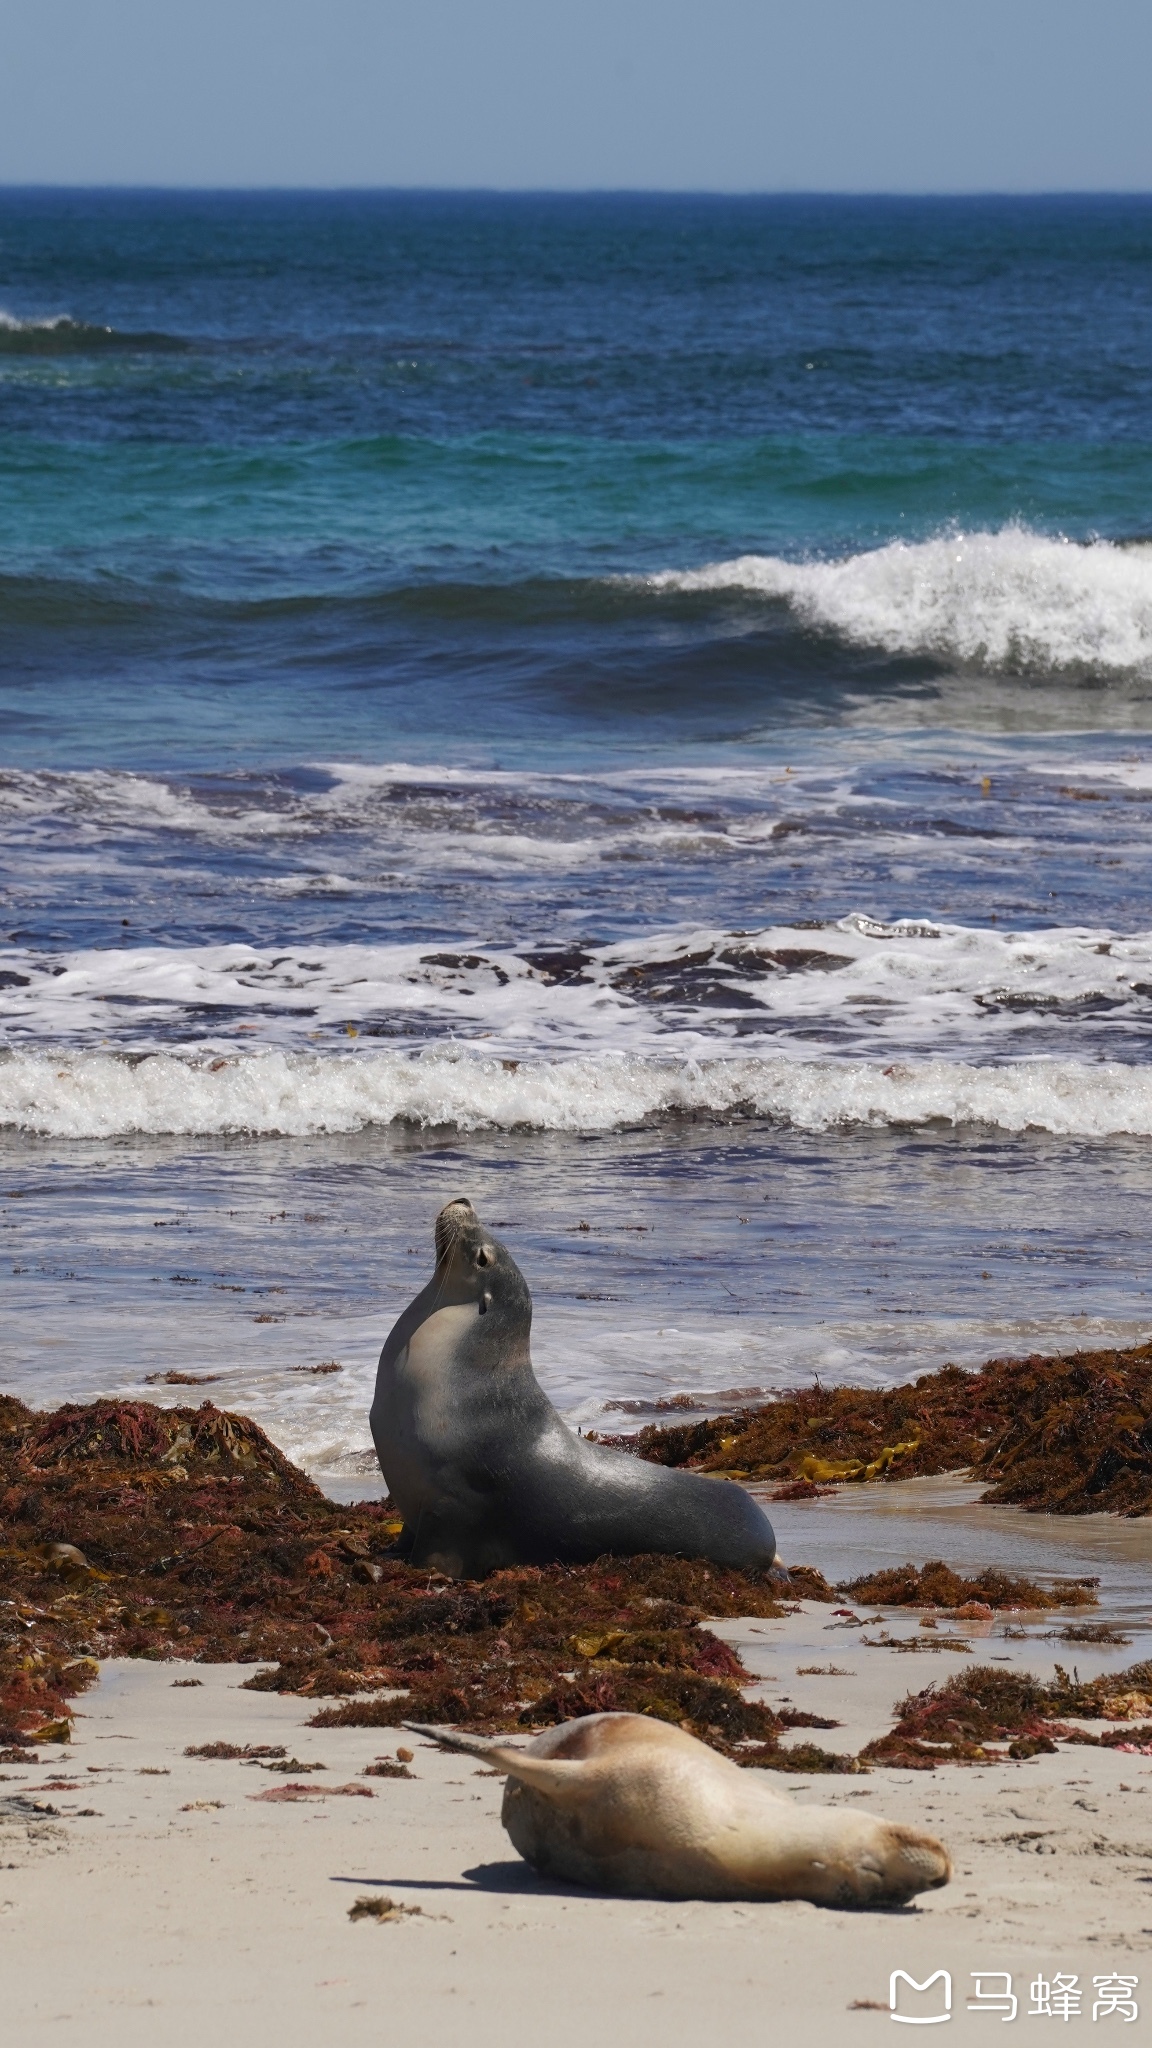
60 335
105 1095
1014 601
1002 603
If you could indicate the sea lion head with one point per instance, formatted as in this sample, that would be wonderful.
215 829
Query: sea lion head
472 1265
908 1862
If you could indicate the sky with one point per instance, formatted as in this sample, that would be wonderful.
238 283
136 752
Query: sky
719 95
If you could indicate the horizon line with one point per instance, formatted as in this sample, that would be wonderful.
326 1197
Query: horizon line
334 190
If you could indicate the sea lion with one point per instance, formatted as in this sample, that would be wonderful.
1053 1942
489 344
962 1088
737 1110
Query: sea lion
627 1804
482 1467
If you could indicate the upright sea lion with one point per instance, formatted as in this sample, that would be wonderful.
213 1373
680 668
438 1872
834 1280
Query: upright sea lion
628 1804
482 1467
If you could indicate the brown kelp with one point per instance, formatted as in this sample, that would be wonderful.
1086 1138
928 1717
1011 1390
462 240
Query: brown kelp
128 1529
990 1591
973 1714
1069 1435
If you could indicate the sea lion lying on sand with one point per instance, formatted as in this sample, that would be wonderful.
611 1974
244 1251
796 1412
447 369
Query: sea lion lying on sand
482 1467
628 1804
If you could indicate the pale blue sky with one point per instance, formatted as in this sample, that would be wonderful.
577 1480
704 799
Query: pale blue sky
840 95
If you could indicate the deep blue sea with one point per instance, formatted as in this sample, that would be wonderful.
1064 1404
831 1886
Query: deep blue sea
635 708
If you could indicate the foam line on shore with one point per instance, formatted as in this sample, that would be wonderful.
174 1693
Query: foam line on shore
912 987
103 1094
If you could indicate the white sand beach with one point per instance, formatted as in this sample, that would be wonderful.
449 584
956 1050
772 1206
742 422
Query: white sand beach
146 1896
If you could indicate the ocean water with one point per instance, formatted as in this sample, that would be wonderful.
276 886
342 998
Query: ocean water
636 709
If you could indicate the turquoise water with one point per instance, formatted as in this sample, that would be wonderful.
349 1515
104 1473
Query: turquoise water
357 454
540 670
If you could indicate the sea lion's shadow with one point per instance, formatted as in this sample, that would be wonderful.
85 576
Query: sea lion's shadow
516 1877
510 1876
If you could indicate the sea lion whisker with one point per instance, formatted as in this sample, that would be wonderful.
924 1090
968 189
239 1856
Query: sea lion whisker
450 1226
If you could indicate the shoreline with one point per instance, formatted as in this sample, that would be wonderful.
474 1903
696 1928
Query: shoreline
142 1904
141 1885
170 1260
128 1528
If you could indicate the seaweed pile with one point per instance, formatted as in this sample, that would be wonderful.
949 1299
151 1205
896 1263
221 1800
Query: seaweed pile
935 1585
969 1717
1069 1435
518 1656
128 1529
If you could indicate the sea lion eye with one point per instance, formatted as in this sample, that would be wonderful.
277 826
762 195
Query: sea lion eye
483 1258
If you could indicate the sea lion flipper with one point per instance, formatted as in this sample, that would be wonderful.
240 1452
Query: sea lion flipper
452 1738
545 1774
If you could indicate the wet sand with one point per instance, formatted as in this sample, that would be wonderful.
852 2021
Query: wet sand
143 1910
854 1529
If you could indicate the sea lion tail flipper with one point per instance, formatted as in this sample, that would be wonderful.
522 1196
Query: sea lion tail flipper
453 1738
554 1777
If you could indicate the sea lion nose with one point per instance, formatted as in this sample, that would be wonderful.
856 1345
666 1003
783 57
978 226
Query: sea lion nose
454 1217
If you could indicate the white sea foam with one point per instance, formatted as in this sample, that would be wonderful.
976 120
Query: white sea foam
101 1095
432 819
1012 600
858 984
1134 773
372 828
9 324
585 1357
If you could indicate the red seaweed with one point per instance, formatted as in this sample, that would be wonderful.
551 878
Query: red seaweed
1070 1435
129 1529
